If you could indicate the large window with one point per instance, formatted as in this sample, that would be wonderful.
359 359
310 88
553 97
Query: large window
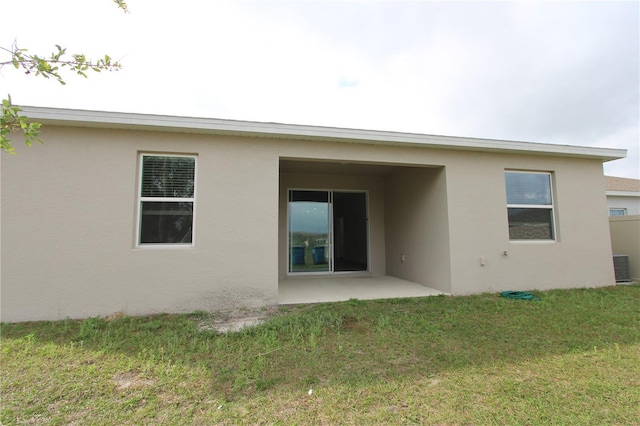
530 206
167 197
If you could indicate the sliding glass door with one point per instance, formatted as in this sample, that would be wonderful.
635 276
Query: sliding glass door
327 231
309 222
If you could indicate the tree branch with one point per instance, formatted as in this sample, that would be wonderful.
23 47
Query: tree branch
122 5
47 67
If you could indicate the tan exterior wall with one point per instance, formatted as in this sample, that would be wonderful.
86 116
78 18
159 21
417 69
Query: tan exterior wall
69 220
68 228
473 213
625 239
478 224
417 227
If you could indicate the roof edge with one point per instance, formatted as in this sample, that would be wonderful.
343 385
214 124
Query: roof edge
137 121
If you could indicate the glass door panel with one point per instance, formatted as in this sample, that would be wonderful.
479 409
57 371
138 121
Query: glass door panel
309 226
350 232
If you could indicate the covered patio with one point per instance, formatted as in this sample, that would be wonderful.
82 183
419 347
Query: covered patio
391 242
340 288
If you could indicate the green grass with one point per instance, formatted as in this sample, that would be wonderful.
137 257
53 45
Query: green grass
571 358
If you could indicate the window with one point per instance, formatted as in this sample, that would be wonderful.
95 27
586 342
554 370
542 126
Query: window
530 206
617 212
167 197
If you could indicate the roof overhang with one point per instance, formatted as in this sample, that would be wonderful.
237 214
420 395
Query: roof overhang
213 126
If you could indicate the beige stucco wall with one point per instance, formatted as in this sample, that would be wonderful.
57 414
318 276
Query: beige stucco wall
68 228
461 198
478 224
69 215
625 239
417 227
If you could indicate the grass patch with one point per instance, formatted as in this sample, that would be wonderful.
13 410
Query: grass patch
571 358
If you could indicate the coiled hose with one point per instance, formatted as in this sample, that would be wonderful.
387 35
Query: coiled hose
519 295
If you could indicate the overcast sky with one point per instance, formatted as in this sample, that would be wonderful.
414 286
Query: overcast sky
551 72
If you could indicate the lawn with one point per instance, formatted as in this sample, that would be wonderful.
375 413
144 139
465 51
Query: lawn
571 358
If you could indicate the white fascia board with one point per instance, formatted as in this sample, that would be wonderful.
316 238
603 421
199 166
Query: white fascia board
133 121
622 194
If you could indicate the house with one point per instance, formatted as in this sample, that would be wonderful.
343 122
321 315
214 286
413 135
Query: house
623 196
623 199
140 214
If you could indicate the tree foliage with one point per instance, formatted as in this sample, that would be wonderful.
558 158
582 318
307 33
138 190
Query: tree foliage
47 66
13 121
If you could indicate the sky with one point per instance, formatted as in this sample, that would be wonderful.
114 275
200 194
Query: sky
551 72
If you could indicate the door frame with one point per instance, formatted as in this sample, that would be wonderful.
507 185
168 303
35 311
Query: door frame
331 270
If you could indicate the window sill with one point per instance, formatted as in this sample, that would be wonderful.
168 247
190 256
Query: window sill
164 247
533 241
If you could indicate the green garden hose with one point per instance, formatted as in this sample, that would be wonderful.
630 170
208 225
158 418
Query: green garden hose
519 295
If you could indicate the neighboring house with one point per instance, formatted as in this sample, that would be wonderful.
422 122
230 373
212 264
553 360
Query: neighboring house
623 199
623 196
142 214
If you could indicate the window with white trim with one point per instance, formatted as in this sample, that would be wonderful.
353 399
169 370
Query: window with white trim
167 199
530 205
617 212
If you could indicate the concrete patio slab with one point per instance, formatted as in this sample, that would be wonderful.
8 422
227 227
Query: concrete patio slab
340 288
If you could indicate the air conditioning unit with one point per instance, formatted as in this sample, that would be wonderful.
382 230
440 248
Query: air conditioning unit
621 268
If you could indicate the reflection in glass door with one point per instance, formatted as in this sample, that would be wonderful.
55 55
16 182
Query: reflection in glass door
327 231
309 231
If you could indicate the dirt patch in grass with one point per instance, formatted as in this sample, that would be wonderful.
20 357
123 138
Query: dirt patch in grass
236 320
130 379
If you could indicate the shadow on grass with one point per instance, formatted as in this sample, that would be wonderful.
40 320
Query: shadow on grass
362 342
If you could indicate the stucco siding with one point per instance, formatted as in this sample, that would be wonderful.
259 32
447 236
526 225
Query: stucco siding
70 208
417 227
69 219
483 257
